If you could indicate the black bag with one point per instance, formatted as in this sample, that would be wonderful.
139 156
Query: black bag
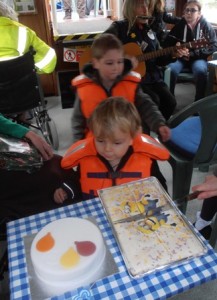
18 155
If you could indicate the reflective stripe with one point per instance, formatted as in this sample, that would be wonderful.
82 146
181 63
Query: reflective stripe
7 58
22 35
46 60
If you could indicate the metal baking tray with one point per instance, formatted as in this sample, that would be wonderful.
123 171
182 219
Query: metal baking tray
162 237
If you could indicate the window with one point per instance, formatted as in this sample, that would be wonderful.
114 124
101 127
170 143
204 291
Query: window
209 10
85 17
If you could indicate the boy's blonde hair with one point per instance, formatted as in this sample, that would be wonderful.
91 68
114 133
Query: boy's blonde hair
104 43
113 113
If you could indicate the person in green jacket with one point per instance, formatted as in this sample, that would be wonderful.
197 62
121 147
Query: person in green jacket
17 39
22 193
16 130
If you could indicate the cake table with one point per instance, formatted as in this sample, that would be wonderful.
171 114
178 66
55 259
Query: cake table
162 284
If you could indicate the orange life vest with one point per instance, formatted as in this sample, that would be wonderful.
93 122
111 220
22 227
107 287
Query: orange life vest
91 93
95 174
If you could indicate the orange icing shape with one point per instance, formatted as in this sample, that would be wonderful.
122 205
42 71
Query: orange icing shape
70 258
46 243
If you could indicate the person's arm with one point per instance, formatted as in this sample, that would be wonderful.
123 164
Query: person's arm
208 188
120 29
45 57
43 147
79 124
168 18
113 29
18 131
11 128
151 115
209 48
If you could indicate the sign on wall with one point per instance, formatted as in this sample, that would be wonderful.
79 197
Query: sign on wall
72 54
25 6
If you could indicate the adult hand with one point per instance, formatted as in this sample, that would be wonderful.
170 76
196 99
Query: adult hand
181 52
43 147
208 188
164 132
133 60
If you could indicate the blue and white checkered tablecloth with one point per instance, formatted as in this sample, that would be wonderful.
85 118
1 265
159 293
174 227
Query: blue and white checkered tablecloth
159 285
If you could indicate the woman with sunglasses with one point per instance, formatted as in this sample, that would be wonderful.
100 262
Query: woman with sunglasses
193 26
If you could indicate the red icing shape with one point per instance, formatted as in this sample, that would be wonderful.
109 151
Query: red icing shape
85 248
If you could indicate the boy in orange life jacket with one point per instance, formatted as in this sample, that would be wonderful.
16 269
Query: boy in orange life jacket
110 74
116 153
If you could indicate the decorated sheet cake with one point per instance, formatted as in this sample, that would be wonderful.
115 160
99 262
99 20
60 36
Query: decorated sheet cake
158 236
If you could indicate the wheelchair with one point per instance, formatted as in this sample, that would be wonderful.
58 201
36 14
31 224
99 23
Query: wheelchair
20 91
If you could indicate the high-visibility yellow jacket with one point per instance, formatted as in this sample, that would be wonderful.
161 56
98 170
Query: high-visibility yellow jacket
17 39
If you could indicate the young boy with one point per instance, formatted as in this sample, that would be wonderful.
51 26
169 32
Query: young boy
110 75
115 153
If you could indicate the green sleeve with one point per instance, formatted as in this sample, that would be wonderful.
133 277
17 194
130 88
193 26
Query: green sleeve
11 128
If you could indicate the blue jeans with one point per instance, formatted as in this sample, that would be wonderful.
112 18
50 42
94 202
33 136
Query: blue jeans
199 70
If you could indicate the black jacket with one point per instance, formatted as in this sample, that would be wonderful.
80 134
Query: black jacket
181 32
147 41
158 23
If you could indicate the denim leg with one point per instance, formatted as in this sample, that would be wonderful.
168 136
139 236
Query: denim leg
175 68
199 69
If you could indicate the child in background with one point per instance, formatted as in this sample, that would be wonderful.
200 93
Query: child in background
110 75
115 153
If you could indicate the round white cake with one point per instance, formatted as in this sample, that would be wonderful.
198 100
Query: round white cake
68 253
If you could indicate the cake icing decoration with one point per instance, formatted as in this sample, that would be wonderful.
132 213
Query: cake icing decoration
85 248
70 258
46 243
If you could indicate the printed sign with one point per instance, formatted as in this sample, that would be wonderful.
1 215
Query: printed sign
72 55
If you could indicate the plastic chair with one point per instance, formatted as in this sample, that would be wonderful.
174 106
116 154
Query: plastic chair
20 91
205 155
187 76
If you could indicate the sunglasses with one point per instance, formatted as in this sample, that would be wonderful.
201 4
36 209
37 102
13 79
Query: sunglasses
190 10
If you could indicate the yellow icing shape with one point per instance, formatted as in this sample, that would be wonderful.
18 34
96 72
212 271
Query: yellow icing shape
70 258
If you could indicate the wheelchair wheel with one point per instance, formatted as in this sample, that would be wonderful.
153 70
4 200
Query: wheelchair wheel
47 126
50 133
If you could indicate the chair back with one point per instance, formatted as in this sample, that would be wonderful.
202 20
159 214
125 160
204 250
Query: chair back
19 90
206 108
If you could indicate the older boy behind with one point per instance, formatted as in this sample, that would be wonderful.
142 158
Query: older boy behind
110 75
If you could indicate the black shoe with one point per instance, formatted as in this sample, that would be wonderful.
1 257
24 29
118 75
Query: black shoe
206 232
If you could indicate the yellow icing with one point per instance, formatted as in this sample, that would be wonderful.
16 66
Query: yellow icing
70 258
